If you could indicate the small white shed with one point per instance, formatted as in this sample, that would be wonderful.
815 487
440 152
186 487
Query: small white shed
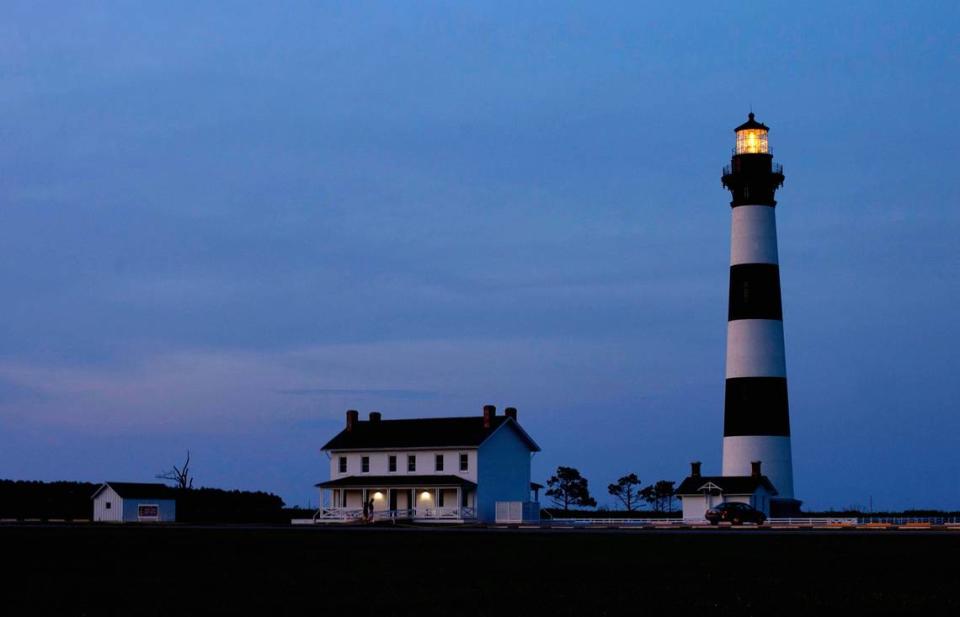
133 502
699 493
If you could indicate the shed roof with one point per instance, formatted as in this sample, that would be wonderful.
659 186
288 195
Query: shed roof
138 490
730 485
423 433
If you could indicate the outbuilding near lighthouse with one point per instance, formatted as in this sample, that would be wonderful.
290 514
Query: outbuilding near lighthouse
699 493
134 502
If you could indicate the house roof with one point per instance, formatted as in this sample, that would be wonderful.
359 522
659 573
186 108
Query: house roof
423 433
397 480
138 490
731 485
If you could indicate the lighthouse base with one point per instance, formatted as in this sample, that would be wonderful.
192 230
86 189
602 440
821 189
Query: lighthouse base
784 508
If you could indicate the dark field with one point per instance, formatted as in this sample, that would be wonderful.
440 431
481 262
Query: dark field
93 570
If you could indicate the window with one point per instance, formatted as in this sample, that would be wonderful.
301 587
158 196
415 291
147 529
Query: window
439 462
392 462
108 505
343 464
411 462
464 462
365 464
148 512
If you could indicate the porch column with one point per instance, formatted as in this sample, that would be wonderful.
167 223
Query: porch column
436 501
459 504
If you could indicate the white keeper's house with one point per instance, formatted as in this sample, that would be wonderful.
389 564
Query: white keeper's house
699 493
460 469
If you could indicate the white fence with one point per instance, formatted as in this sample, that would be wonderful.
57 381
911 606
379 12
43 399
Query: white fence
697 522
909 520
815 521
620 522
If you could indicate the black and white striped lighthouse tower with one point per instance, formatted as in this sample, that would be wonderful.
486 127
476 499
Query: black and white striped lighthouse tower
756 423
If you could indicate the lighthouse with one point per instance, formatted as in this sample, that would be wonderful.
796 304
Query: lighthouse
756 425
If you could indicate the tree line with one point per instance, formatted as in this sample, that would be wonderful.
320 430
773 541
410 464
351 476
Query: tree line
72 500
568 488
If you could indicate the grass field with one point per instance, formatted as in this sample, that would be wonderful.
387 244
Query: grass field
94 570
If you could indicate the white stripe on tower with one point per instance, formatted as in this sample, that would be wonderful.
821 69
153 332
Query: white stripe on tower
756 415
754 346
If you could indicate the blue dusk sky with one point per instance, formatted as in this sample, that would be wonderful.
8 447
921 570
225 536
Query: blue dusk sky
223 224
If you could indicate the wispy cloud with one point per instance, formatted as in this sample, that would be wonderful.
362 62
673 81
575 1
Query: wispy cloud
400 393
224 391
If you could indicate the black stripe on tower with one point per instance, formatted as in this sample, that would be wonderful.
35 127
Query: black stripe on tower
756 406
755 292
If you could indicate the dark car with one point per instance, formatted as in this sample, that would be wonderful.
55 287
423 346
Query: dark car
735 513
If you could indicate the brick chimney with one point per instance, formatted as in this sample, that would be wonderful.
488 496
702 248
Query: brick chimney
353 416
511 412
755 469
695 469
489 411
375 416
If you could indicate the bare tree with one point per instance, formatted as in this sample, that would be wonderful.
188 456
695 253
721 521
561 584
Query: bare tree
180 475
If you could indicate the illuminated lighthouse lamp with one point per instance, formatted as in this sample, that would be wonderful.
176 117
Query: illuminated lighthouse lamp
752 137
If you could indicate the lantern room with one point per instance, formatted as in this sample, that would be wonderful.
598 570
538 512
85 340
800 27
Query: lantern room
752 137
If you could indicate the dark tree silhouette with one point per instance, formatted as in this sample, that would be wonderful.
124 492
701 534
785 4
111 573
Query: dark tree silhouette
568 488
627 490
180 475
660 495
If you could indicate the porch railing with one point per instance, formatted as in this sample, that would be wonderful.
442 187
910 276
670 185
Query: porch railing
446 513
338 514
355 514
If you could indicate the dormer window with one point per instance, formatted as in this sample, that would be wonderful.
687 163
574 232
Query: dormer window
342 464
439 462
464 462
392 462
411 462
365 464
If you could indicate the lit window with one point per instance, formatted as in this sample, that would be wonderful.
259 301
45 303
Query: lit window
411 462
343 464
365 464
464 462
439 462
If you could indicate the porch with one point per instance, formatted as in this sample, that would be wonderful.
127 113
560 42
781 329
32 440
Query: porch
428 499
